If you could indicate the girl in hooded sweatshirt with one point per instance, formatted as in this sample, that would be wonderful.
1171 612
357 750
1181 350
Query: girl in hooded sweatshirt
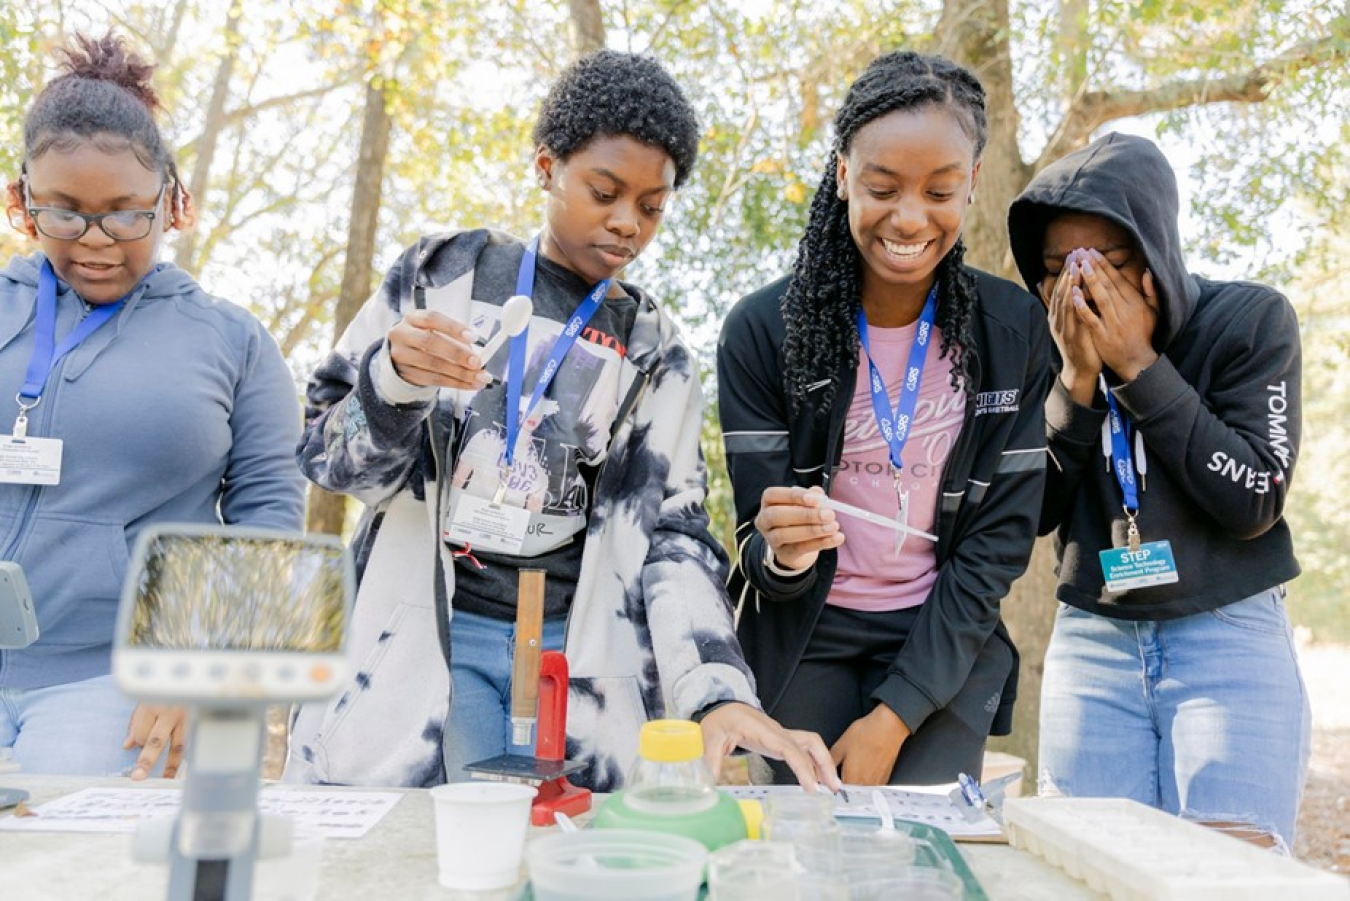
140 399
1171 676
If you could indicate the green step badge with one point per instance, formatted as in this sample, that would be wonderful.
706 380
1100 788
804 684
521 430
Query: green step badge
1151 564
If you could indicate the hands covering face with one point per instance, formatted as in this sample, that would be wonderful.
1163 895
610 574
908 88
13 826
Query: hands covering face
1099 318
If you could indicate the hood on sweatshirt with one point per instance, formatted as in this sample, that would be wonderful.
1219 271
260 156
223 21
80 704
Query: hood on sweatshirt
165 280
1127 180
20 278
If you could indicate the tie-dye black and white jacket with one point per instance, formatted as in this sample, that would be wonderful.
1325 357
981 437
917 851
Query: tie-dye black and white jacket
649 633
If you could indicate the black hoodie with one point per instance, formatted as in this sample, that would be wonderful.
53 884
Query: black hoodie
1219 411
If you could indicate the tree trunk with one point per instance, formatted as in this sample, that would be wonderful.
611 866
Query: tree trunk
588 26
327 512
1029 611
975 34
211 132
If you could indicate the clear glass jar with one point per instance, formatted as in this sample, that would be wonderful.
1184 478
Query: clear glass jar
670 776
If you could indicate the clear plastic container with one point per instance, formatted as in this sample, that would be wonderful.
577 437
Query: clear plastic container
670 776
670 789
1136 853
912 884
752 871
807 823
613 864
870 854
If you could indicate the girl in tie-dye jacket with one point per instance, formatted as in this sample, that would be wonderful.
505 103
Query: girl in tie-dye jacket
649 628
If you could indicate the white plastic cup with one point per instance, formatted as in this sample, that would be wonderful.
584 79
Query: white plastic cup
480 833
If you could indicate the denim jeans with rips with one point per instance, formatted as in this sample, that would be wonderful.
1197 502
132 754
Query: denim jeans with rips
1205 716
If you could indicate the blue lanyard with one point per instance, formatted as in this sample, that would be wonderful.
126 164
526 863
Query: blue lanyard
515 372
895 427
1122 458
46 352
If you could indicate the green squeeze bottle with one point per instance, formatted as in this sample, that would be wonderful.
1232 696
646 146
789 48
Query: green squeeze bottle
671 790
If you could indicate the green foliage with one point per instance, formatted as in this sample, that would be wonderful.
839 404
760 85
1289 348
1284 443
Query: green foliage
20 66
1320 289
463 80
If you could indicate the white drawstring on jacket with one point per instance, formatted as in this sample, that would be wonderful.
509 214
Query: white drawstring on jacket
1140 458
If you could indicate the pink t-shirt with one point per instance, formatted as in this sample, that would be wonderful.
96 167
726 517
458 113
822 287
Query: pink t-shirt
871 575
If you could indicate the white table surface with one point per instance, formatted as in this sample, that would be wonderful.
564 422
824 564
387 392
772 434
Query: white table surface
395 860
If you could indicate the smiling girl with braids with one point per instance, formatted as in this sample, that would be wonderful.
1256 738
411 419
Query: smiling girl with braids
886 374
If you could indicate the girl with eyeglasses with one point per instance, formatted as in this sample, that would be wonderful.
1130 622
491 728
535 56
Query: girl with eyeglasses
138 398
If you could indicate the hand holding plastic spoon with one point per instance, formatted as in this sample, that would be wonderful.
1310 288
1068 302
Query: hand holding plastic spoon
516 314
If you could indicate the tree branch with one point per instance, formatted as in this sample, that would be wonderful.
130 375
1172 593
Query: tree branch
1092 109
243 113
588 25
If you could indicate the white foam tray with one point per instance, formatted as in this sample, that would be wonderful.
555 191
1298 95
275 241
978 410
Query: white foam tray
1132 852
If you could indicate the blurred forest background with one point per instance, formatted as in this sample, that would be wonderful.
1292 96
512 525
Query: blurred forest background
321 136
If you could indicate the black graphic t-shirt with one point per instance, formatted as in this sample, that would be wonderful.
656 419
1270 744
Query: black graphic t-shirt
562 442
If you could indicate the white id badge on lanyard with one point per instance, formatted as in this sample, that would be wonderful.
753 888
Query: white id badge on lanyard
484 525
30 461
37 461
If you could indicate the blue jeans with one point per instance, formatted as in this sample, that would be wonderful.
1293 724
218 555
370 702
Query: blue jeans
1205 716
71 729
481 651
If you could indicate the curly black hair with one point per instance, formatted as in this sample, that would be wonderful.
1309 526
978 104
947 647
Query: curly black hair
104 96
611 94
820 306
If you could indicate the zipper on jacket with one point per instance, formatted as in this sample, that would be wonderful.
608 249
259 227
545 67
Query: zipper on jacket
959 455
626 411
834 445
48 413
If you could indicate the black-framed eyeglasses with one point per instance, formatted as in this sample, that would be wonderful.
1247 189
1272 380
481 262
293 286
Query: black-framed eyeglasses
68 225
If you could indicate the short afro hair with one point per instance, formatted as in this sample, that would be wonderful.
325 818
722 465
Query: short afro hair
613 94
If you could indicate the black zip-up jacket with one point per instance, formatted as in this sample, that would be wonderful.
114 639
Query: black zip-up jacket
1219 411
986 519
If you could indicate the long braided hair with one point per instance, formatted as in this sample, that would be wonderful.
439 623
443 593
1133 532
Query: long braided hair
820 307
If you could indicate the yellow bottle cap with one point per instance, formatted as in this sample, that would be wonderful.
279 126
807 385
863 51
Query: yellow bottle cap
670 741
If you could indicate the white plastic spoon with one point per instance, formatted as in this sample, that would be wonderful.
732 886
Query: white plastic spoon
516 314
883 810
566 824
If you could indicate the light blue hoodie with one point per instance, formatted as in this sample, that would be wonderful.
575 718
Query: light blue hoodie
179 409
